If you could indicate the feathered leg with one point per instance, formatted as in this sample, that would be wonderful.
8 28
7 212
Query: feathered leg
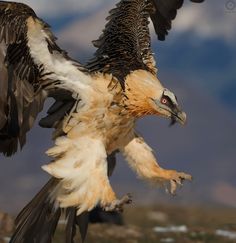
140 158
83 220
84 182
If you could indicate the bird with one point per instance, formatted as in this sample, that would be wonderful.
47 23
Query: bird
94 114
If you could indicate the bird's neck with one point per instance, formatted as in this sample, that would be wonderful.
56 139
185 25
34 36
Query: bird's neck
140 88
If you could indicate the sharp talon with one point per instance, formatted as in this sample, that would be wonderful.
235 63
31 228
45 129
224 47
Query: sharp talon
176 180
117 205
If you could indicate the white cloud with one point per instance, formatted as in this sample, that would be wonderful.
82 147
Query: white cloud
79 34
208 20
55 8
205 20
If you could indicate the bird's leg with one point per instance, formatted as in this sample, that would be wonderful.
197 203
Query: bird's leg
140 157
111 203
118 204
84 181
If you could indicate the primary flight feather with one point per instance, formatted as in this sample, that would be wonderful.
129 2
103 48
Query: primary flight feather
95 110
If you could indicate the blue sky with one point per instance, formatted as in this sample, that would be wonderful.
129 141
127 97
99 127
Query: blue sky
197 62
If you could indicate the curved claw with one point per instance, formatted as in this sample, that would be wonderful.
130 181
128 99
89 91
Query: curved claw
176 180
118 205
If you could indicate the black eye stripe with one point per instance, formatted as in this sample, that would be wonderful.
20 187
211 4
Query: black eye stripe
167 98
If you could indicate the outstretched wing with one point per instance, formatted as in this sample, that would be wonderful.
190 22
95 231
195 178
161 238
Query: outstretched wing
164 11
125 44
32 67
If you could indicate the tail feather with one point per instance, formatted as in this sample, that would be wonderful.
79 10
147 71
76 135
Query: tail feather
38 220
72 221
71 226
37 202
83 221
45 234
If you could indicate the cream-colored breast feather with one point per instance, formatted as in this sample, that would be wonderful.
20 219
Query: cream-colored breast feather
79 158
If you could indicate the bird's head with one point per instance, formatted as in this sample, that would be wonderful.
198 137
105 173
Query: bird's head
146 96
166 105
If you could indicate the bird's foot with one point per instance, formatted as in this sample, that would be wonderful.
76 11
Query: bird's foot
176 179
118 204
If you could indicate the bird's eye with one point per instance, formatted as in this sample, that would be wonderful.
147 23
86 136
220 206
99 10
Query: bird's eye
164 101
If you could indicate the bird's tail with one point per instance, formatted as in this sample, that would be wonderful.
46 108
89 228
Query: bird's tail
37 222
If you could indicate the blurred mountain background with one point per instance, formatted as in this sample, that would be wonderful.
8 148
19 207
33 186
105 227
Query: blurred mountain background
197 62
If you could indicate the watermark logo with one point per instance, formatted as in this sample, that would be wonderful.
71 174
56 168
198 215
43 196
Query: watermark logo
230 5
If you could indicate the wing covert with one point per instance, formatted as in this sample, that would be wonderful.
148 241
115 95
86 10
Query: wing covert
125 44
32 66
164 11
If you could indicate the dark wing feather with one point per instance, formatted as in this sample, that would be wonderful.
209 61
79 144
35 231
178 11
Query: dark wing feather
63 104
164 11
24 82
125 44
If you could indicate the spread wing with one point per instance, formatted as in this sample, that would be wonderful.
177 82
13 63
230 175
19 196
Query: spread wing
125 44
32 67
164 11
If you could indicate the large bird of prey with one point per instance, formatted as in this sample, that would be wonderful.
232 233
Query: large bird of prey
95 110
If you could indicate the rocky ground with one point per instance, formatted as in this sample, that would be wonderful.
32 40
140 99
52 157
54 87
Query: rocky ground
164 224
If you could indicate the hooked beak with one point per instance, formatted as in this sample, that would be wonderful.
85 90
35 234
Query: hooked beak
174 112
178 116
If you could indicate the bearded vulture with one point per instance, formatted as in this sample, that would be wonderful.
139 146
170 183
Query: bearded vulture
94 114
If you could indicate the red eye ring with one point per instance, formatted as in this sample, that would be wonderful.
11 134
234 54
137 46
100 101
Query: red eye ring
164 101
